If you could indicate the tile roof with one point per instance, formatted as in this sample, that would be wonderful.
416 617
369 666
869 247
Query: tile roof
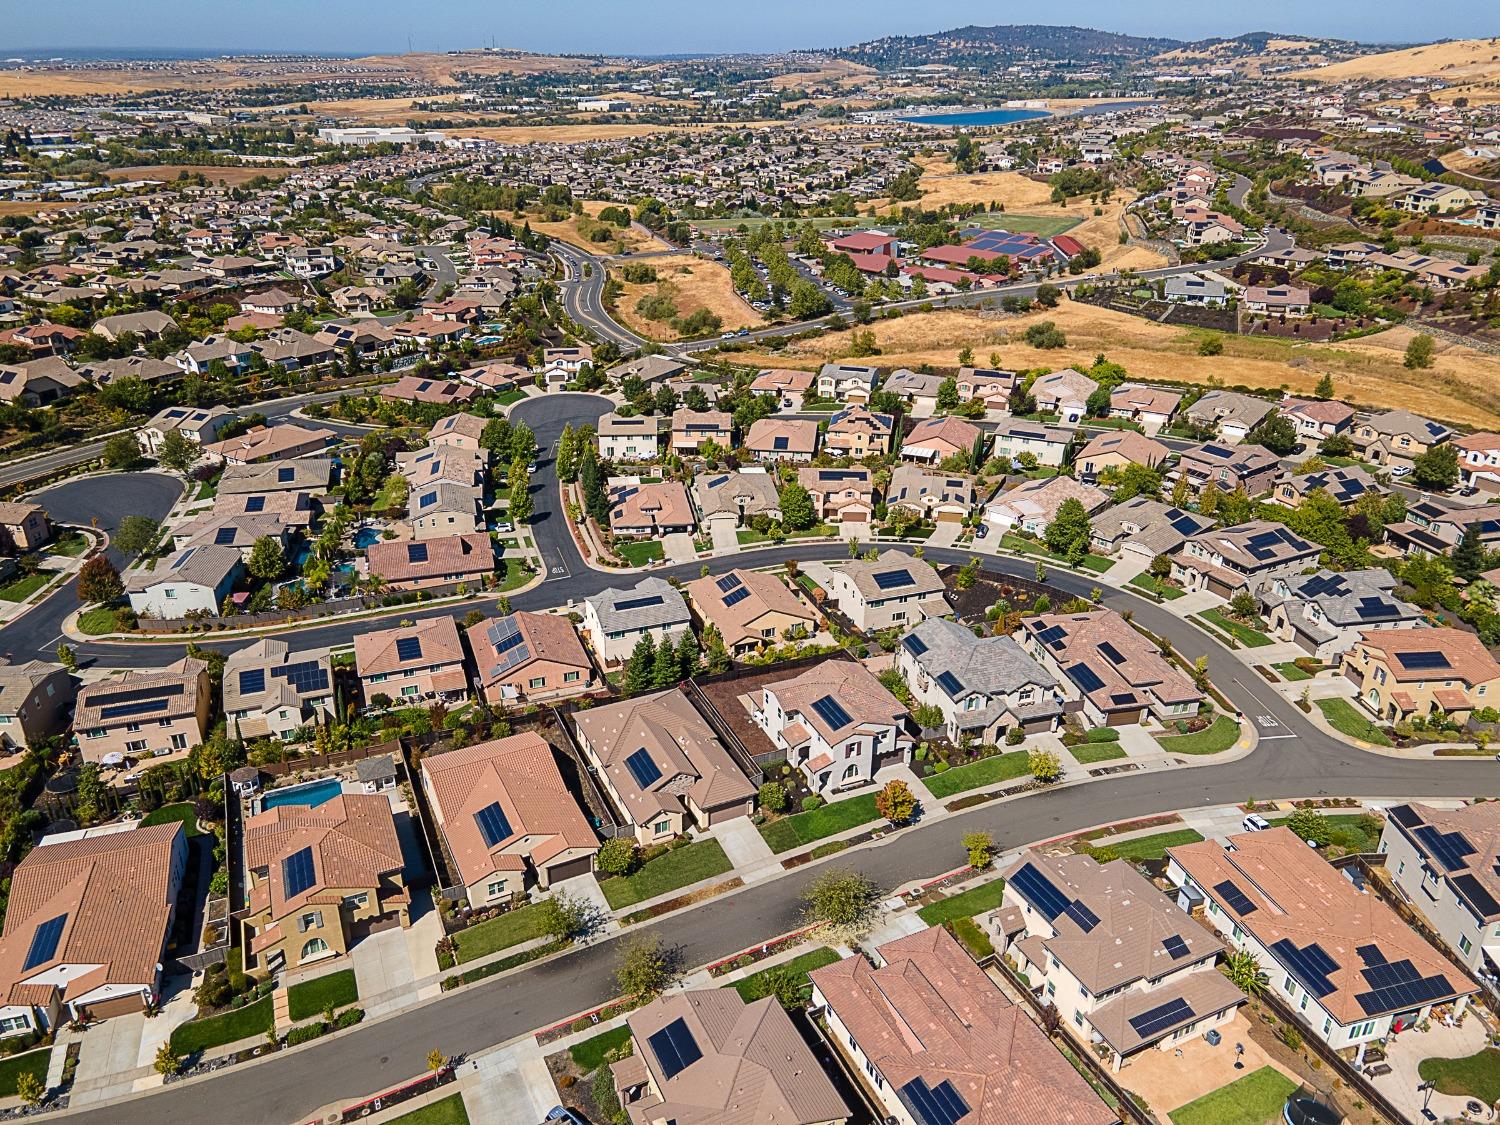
442 557
863 700
767 594
375 652
352 836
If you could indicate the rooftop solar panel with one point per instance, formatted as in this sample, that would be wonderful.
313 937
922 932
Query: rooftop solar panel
638 603
408 648
44 942
1309 965
125 710
1408 996
1111 653
894 579
933 1105
1405 815
832 712
949 683
1175 947
1037 889
728 582
675 1049
225 536
416 552
493 824
297 873
1084 676
1422 661
286 475
1385 974
427 500
255 504
645 771
1473 891
1082 915
304 677
1234 898
737 596
252 681
1152 1023
914 645
1448 848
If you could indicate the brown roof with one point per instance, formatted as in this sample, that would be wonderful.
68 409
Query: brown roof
1463 654
468 425
947 430
520 774
768 594
442 557
1134 447
176 685
545 636
1473 869
800 434
863 697
660 504
929 1012
1088 639
376 652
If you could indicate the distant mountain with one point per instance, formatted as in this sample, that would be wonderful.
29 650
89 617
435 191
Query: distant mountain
993 47
1268 45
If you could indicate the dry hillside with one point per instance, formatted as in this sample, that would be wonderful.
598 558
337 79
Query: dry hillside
1460 62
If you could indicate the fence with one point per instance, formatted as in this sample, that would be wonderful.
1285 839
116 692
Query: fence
306 613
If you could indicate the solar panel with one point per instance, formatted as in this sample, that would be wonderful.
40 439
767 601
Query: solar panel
915 645
738 596
1385 974
286 476
1111 653
44 942
493 824
832 712
780 443
894 579
675 1048
124 710
728 582
297 872
1084 676
1234 898
514 640
305 676
416 552
1081 914
1448 848
252 681
641 766
1052 634
934 1105
1039 891
255 504
1372 607
408 648
1405 815
225 536
1123 699
1175 947
1469 886
1411 994
949 683
159 691
1163 1016
1422 661
427 500
1309 965
639 603
717 481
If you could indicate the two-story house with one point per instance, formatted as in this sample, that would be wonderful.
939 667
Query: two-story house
984 686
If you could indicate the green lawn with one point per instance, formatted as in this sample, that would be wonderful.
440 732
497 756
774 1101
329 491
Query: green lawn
207 489
1250 638
72 545
449 1111
1217 738
515 574
803 828
98 620
986 771
1477 1076
242 1023
1091 753
676 868
1291 673
967 931
392 493
1013 542
1254 1099
757 985
1348 719
31 1062
588 1056
509 397
23 587
183 811
639 552
973 901
313 996
1047 226
511 928
1150 847
1153 585
1347 831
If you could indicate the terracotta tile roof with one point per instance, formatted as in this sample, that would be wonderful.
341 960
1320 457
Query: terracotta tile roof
376 652
767 594
467 425
544 636
782 435
177 686
352 837
863 698
1458 655
950 432
447 556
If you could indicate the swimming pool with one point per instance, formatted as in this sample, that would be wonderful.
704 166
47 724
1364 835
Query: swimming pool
312 794
365 537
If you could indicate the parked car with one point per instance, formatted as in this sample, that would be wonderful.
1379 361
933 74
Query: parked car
1400 470
1254 822
566 1115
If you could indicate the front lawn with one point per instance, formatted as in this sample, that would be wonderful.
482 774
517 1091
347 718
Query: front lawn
1354 832
311 997
639 552
509 397
448 1111
31 1062
803 828
1345 718
1149 847
757 985
251 1021
182 811
1252 1100
511 928
1090 753
515 575
1291 673
1250 638
1013 542
676 868
98 620
1217 738
975 900
1477 1076
986 771
72 545
588 1056
1153 585
23 587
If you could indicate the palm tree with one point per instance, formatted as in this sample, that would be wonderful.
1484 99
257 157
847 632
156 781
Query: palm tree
1245 973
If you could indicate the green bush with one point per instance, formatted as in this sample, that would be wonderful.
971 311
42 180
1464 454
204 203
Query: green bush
1103 734
618 856
773 796
306 1033
1015 736
812 801
939 766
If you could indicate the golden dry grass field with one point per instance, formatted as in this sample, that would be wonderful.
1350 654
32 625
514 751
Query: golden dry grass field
1463 386
1470 67
574 232
213 173
693 284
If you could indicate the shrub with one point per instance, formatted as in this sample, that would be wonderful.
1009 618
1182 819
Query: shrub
617 856
306 1034
812 801
773 796
1015 736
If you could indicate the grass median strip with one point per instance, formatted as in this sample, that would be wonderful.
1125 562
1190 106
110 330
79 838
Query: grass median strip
803 828
986 771
310 997
677 868
252 1020
1345 718
760 984
1153 585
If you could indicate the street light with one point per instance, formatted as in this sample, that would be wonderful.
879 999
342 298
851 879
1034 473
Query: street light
1425 1088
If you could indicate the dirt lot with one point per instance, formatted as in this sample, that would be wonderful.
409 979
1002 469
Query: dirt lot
571 231
693 284
214 174
1461 387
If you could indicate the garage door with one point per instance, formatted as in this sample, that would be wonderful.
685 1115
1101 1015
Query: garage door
855 516
560 871
118 1006
950 517
1124 718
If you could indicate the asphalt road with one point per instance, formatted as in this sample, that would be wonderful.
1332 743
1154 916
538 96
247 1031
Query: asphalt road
582 290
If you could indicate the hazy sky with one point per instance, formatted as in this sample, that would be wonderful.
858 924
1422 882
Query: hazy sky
678 26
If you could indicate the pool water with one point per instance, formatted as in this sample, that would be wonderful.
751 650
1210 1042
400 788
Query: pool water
313 794
365 537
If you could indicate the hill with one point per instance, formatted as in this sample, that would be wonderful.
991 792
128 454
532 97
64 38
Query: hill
1458 62
991 47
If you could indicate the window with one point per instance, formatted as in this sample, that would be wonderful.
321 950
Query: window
15 1023
570 677
1051 988
136 747
1401 868
179 742
495 888
1465 944
1078 1018
312 920
851 771
662 827
314 947
410 689
536 682
1327 1025
354 902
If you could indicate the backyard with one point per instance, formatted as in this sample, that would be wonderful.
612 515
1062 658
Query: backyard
790 832
1255 1099
1475 1076
986 771
1345 718
183 812
676 868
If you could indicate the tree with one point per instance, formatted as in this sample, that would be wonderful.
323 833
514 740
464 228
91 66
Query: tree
617 856
1469 558
896 802
1437 469
665 671
561 917
1045 765
1419 352
1160 566
66 657
1324 389
1135 480
927 716
981 849
688 654
267 559
436 1060
177 453
1047 295
1245 973
718 653
1276 433
135 534
772 796
1309 824
845 901
947 396
168 1062
1068 533
122 452
638 669
99 581
1244 605
645 967
966 154
797 512
520 494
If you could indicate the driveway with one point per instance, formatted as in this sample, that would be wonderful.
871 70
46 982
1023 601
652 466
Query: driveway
945 535
679 547
725 535
511 1084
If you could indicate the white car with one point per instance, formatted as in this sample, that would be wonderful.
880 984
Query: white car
1400 470
1254 822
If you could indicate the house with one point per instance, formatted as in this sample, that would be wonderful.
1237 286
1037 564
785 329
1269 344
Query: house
750 609
859 433
728 499
648 369
312 475
706 1055
1398 437
444 508
1446 863
1434 526
199 425
1065 393
269 690
36 701
892 590
196 580
851 383
662 765
23 527
438 561
934 440
197 358
1274 300
1123 964
1479 461
507 818
918 390
1325 612
318 876
461 431
141 715
1120 676
432 392
1048 444
840 495
1144 527
1229 467
1033 505
1435 199
988 385
1245 557
1318 419
435 463
837 723
38 382
292 350
560 364
1337 955
147 324
529 658
627 439
693 429
788 385
87 925
1118 450
1190 289
783 439
1228 413
979 1059
144 368
615 620
1403 674
649 511
984 686
270 443
1345 485
239 532
271 302
942 497
411 662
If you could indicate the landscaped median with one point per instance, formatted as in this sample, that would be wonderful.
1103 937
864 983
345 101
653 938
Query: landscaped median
1215 739
1242 633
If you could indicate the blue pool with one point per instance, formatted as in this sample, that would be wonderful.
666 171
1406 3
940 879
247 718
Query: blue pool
313 794
365 537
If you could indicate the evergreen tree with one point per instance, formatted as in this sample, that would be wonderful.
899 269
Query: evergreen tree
1469 557
687 654
718 654
520 494
639 668
664 670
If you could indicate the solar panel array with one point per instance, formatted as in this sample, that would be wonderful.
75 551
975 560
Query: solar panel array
1234 898
675 1048
255 504
1370 608
1310 965
1052 635
1111 653
297 872
728 582
125 710
638 603
737 596
304 677
44 941
1039 891
1158 1019
416 552
832 712
1473 891
949 683
934 1105
894 579
1448 848
1175 947
408 648
131 694
1405 815
225 536
915 645
1422 661
509 645
428 500
252 681
1407 994
494 826
645 770
1081 914
1084 676
286 475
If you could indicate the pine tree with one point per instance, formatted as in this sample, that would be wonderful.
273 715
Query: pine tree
687 654
638 669
664 670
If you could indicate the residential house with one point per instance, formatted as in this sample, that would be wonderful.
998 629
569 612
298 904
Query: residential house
790 386
1435 199
942 497
934 440
615 619
1228 413
444 509
561 364
918 390
270 443
199 425
783 439
23 527
198 357
311 475
693 429
1145 527
36 702
990 386
1479 461
859 433
1033 505
431 392
1244 557
1398 437
851 383
892 590
750 609
1064 393
840 495
1318 419
1325 612
649 511
1434 526
438 561
411 662
1403 674
1278 300
1048 444
196 580
145 714
728 499
461 431
1118 450
1190 289
269 690
38 382
984 686
648 369
529 658
1344 485
627 439
1229 467
147 324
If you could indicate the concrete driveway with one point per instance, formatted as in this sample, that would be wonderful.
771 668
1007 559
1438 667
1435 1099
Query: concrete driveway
946 534
725 534
510 1084
679 547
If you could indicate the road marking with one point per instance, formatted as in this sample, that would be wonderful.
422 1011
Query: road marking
1274 737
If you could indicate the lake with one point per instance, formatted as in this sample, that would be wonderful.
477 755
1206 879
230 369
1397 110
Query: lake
982 117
